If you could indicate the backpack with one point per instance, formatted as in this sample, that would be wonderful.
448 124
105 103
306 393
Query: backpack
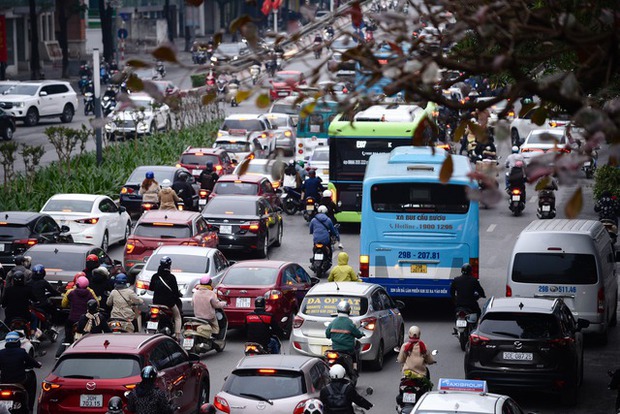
290 170
337 396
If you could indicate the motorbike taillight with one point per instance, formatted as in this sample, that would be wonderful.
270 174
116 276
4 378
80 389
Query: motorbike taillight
461 315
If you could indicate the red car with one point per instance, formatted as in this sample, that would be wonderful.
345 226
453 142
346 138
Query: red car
285 82
167 228
247 184
283 284
196 159
101 366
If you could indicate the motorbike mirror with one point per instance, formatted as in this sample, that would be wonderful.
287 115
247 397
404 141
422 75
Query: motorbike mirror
434 352
369 391
472 318
396 349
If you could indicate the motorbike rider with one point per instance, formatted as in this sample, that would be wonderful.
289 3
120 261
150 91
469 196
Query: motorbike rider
204 302
14 361
85 70
146 398
330 31
149 189
414 356
339 395
466 289
124 301
42 290
261 326
92 321
513 157
546 186
77 301
20 266
343 272
115 405
184 189
332 207
516 176
322 230
168 198
607 207
208 177
16 301
318 45
343 333
166 292
312 186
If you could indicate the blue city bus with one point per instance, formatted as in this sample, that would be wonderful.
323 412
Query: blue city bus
417 232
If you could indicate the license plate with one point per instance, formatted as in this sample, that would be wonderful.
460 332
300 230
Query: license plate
409 397
326 172
546 208
318 256
461 323
226 229
94 401
8 404
586 164
152 325
310 207
202 202
516 198
518 356
282 93
196 172
243 302
188 343
418 268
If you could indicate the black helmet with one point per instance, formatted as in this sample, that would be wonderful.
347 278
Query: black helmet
115 405
148 374
183 176
165 262
92 306
18 278
259 303
466 269
19 260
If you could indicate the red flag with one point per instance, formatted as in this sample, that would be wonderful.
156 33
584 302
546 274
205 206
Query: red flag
267 5
277 4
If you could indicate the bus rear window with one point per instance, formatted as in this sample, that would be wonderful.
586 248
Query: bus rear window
554 268
419 197
325 306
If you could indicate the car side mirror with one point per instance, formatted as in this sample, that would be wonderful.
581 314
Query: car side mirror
582 323
400 305
193 357
42 93
314 280
122 209
66 229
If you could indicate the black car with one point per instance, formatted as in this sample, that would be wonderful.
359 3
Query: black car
528 343
7 126
245 223
132 201
20 230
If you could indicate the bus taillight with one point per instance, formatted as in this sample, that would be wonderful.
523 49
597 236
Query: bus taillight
364 265
475 267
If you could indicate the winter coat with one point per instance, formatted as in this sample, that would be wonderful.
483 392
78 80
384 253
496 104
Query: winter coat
93 324
150 194
27 275
322 228
415 357
121 300
148 400
205 302
186 192
16 302
343 272
14 361
168 199
342 331
42 290
165 289
76 299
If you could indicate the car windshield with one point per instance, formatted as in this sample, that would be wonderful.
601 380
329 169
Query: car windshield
4 87
242 124
545 138
196 159
233 187
138 175
519 325
59 261
320 156
264 384
284 76
278 121
250 276
23 89
234 146
14 231
69 206
181 263
236 207
163 231
554 268
229 49
284 109
325 305
97 366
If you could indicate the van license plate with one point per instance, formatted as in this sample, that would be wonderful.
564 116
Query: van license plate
91 401
152 325
409 397
243 302
518 356
418 268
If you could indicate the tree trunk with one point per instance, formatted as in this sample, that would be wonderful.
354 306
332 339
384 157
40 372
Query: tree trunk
35 61
168 17
63 21
107 37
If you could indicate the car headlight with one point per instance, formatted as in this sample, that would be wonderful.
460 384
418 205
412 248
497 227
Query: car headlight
20 104
142 127
213 59
108 127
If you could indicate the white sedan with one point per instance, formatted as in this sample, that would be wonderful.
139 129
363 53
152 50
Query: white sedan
541 141
143 116
92 219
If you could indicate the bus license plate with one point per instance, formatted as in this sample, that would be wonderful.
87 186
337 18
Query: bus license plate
418 268
243 302
518 356
318 256
152 325
188 343
409 397
91 401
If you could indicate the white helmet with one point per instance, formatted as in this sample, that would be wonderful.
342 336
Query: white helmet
322 209
414 332
515 149
166 183
313 406
327 193
337 372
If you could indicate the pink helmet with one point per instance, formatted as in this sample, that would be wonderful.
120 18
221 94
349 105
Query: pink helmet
205 280
519 164
82 282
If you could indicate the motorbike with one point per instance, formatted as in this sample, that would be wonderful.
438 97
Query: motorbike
197 336
589 167
411 389
321 260
14 397
279 60
310 211
270 67
254 72
120 325
612 229
89 103
160 70
546 204
108 103
160 320
46 330
254 348
614 384
148 205
517 200
233 88
465 322
351 367
291 200
318 49
221 85
83 83
104 75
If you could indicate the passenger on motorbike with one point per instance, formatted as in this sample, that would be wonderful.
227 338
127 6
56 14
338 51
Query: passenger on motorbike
166 292
261 326
332 208
76 300
16 300
292 178
339 395
205 302
312 186
513 157
414 356
124 301
92 321
101 284
146 398
607 207
343 272
92 262
149 188
184 189
322 230
168 198
343 333
14 361
20 266
466 289
42 290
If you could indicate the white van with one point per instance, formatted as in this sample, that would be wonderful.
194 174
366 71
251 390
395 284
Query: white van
569 259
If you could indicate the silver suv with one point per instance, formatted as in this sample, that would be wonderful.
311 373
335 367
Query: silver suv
30 101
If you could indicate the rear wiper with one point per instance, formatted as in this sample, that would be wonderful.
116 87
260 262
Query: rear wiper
78 376
258 397
510 334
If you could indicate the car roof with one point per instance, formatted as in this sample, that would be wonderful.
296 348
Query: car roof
277 115
112 343
288 362
63 247
271 264
564 226
169 216
525 305
76 196
157 168
251 178
321 148
458 402
193 150
235 197
243 116
551 131
357 289
290 72
185 250
19 217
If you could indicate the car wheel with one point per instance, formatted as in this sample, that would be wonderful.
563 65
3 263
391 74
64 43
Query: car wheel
262 253
127 232
203 394
105 242
32 117
514 136
7 133
377 363
278 241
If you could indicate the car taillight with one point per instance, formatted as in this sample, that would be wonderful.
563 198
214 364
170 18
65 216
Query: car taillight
127 190
477 340
147 206
189 243
218 168
131 245
141 284
48 386
94 220
600 301
369 323
203 194
275 185
560 342
273 295
130 386
364 265
297 322
221 404
253 226
300 407
6 394
508 291
26 242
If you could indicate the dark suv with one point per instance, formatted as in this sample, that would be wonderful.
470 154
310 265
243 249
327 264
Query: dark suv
528 343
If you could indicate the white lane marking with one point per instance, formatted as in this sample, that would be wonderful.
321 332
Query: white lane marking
491 228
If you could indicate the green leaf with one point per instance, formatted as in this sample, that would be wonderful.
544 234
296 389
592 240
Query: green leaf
243 95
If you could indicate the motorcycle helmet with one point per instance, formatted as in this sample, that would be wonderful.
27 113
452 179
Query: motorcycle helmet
515 149
82 282
205 280
150 175
148 374
92 258
301 164
19 260
165 262
210 165
166 183
115 405
208 409
519 164
337 372
466 269
414 332
259 302
12 337
120 279
27 262
18 278
183 176
38 272
102 271
327 193
343 307
92 306
322 209
313 406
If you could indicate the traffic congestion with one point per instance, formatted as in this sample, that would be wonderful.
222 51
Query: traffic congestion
319 253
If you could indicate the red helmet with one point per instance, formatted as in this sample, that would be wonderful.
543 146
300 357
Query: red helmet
92 258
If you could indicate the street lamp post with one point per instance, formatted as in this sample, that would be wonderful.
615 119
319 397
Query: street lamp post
275 20
97 102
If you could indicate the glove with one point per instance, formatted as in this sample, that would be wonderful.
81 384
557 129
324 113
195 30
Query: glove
340 246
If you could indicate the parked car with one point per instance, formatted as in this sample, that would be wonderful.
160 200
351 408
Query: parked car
166 228
286 131
541 141
285 82
284 382
33 100
229 52
98 367
20 230
520 127
372 309
249 126
189 264
245 223
319 161
92 219
196 159
247 184
7 125
273 170
132 201
143 116
528 344
283 284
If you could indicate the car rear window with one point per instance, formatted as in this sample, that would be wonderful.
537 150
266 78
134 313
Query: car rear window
267 384
196 159
285 109
555 268
69 206
520 325
325 305
545 138
231 187
181 263
247 124
234 146
250 276
236 207
163 231
97 366
14 231
139 174
59 261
